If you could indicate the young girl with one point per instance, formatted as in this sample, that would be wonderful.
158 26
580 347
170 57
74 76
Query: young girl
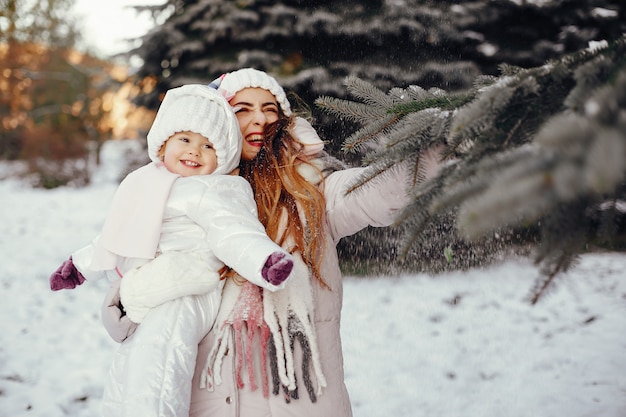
168 211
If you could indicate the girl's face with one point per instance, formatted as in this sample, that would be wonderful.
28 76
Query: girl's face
257 108
188 153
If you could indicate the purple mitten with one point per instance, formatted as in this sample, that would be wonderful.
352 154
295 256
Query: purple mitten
277 268
66 277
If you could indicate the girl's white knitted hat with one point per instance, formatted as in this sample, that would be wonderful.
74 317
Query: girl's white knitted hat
200 109
232 82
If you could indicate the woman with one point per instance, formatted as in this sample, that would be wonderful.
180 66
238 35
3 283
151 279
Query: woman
279 354
305 209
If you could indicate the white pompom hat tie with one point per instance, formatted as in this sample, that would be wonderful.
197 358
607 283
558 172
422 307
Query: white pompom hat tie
231 83
200 109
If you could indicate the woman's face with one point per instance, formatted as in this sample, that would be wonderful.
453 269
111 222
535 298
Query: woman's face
257 108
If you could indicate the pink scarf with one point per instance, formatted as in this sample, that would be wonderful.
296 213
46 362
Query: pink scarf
132 228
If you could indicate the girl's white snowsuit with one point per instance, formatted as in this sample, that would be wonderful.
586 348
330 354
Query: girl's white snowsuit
209 221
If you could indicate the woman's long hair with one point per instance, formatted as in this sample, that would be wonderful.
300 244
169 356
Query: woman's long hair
279 188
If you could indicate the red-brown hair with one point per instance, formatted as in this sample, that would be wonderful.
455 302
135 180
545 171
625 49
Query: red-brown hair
280 188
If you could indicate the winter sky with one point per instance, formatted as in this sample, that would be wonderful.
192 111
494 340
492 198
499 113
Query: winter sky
106 25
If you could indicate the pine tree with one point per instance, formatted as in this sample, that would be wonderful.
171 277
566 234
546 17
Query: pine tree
311 47
537 150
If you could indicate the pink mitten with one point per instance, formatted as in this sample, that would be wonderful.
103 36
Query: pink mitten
277 268
66 277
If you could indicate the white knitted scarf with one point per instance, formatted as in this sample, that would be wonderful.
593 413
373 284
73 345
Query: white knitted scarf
253 319
268 324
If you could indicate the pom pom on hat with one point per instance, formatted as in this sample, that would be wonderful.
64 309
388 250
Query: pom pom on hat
229 84
200 109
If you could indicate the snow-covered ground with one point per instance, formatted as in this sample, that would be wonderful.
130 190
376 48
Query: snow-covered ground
457 344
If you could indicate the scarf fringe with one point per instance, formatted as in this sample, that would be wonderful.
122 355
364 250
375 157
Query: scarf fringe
279 319
246 317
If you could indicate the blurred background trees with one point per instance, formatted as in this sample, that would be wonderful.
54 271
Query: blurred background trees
56 103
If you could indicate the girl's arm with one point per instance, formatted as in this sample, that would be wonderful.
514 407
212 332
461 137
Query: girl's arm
227 211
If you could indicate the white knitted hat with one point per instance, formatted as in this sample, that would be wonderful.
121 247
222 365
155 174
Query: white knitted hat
232 82
200 109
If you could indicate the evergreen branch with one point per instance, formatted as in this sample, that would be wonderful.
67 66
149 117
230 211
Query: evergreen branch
444 103
609 218
471 120
416 215
371 174
417 129
459 193
416 226
573 158
351 110
407 139
368 93
483 81
371 131
544 282
422 195
565 233
506 204
508 70
411 93
382 164
538 149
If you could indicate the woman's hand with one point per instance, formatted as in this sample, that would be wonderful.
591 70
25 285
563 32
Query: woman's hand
115 320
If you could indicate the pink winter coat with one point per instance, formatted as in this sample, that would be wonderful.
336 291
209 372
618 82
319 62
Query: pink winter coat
376 206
